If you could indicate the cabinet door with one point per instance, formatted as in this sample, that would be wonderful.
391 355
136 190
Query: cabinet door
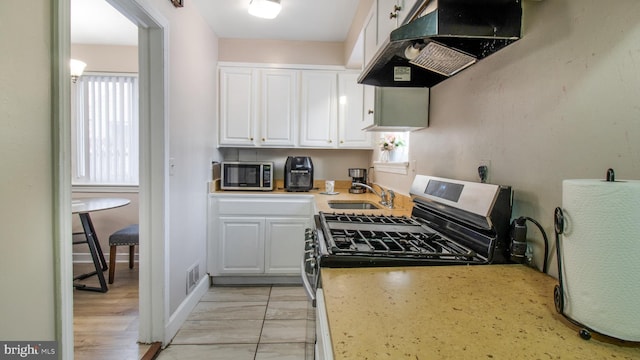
241 245
390 15
284 244
405 8
278 107
370 37
369 105
351 119
237 106
318 111
387 18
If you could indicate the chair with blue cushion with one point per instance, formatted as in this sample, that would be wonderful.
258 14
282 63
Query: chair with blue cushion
127 236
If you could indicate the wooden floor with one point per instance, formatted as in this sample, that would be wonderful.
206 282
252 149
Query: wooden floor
106 324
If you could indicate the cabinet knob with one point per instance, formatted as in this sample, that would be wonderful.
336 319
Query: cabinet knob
341 141
330 141
394 13
370 112
263 139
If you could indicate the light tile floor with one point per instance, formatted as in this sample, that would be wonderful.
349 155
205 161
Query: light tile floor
252 323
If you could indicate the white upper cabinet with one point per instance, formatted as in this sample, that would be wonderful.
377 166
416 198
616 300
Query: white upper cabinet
278 115
369 104
289 108
370 36
391 14
318 113
387 13
332 111
385 16
351 119
237 106
405 8
258 107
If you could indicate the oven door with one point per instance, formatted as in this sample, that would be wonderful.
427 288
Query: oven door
309 268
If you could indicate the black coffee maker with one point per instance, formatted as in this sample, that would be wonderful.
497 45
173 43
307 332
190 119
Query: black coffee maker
298 173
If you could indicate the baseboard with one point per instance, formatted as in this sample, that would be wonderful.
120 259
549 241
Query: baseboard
178 318
257 280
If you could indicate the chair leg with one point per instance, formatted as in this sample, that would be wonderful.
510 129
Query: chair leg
132 250
112 263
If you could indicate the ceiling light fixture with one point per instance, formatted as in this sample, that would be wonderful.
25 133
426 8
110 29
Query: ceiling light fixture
266 9
77 68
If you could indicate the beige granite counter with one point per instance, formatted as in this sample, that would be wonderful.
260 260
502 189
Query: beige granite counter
402 207
454 312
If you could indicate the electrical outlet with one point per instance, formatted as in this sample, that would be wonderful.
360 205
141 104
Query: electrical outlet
484 169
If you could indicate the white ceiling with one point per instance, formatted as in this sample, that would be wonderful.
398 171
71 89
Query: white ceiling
96 22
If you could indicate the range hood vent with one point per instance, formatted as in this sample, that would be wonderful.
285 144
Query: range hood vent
444 37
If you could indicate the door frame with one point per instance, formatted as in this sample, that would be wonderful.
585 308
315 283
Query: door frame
153 37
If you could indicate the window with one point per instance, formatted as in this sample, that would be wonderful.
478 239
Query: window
105 130
393 153
393 146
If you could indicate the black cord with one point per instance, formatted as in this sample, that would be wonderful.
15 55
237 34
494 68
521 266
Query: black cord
546 242
558 223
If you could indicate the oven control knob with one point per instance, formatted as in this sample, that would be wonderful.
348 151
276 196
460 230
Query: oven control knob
311 262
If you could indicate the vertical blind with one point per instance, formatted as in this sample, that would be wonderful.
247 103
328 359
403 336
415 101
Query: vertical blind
106 130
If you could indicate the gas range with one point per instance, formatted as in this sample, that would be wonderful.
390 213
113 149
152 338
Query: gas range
379 240
453 222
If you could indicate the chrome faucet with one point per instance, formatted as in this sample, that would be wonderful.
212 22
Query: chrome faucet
385 199
390 198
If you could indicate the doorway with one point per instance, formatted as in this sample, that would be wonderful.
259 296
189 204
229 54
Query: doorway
153 188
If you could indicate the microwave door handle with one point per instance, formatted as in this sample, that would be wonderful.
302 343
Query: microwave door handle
261 172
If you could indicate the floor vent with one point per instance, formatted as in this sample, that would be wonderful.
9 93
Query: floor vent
193 275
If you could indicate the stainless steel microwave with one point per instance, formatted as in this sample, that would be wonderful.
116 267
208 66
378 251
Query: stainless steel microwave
247 175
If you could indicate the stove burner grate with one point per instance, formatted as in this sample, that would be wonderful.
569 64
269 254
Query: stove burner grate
369 219
400 244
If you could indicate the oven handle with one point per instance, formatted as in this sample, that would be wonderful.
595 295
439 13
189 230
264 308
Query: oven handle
307 284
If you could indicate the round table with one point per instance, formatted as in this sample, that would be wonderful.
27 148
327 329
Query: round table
83 207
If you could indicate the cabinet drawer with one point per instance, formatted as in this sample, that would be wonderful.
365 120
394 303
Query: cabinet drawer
265 207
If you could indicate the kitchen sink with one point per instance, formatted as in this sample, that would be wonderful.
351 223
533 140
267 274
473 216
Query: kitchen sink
361 205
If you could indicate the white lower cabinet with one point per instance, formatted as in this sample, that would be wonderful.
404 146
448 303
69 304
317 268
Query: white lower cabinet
324 348
241 245
258 235
283 245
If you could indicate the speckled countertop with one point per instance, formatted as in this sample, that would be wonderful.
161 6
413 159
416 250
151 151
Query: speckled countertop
402 207
454 312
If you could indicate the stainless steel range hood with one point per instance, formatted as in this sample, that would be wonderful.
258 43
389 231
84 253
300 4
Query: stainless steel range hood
443 38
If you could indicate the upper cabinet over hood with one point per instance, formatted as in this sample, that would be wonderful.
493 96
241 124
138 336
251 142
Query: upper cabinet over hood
443 38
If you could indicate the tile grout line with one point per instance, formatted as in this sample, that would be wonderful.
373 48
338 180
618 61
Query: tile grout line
264 318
